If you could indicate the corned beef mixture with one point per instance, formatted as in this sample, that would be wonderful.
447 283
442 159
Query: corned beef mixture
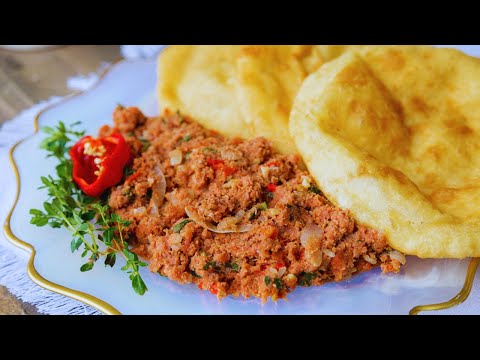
257 225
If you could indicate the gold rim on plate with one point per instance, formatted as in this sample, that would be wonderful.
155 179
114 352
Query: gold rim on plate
88 299
109 309
457 299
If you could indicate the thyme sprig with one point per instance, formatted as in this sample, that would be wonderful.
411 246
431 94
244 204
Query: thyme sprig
90 220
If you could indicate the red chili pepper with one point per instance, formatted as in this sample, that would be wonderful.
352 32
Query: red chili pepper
133 177
214 289
215 163
98 163
228 170
219 164
200 285
273 163
271 187
274 234
279 266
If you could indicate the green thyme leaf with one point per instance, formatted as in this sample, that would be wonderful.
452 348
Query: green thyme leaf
210 265
209 150
195 274
86 267
110 259
127 171
90 220
179 226
268 280
268 196
75 244
306 278
263 206
315 190
278 284
232 266
253 213
145 144
186 138
138 285
149 194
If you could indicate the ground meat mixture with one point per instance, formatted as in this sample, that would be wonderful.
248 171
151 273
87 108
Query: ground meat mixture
236 218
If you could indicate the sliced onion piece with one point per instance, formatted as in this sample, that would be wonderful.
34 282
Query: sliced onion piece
369 259
244 228
252 213
309 232
306 182
273 212
175 157
265 171
175 241
240 214
282 271
140 210
193 215
396 255
329 253
228 223
158 190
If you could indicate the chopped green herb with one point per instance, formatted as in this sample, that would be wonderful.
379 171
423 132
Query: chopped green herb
180 116
90 220
232 266
148 195
211 265
127 171
195 274
187 155
263 206
315 190
278 284
253 215
110 259
128 193
268 280
186 138
268 196
87 266
179 226
306 278
209 150
145 144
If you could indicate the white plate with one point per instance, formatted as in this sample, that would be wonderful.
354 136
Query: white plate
56 268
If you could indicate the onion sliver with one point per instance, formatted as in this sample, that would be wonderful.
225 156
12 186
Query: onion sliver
175 157
193 215
329 253
396 255
158 190
309 232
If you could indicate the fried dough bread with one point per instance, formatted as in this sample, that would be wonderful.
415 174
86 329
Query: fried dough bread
393 134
